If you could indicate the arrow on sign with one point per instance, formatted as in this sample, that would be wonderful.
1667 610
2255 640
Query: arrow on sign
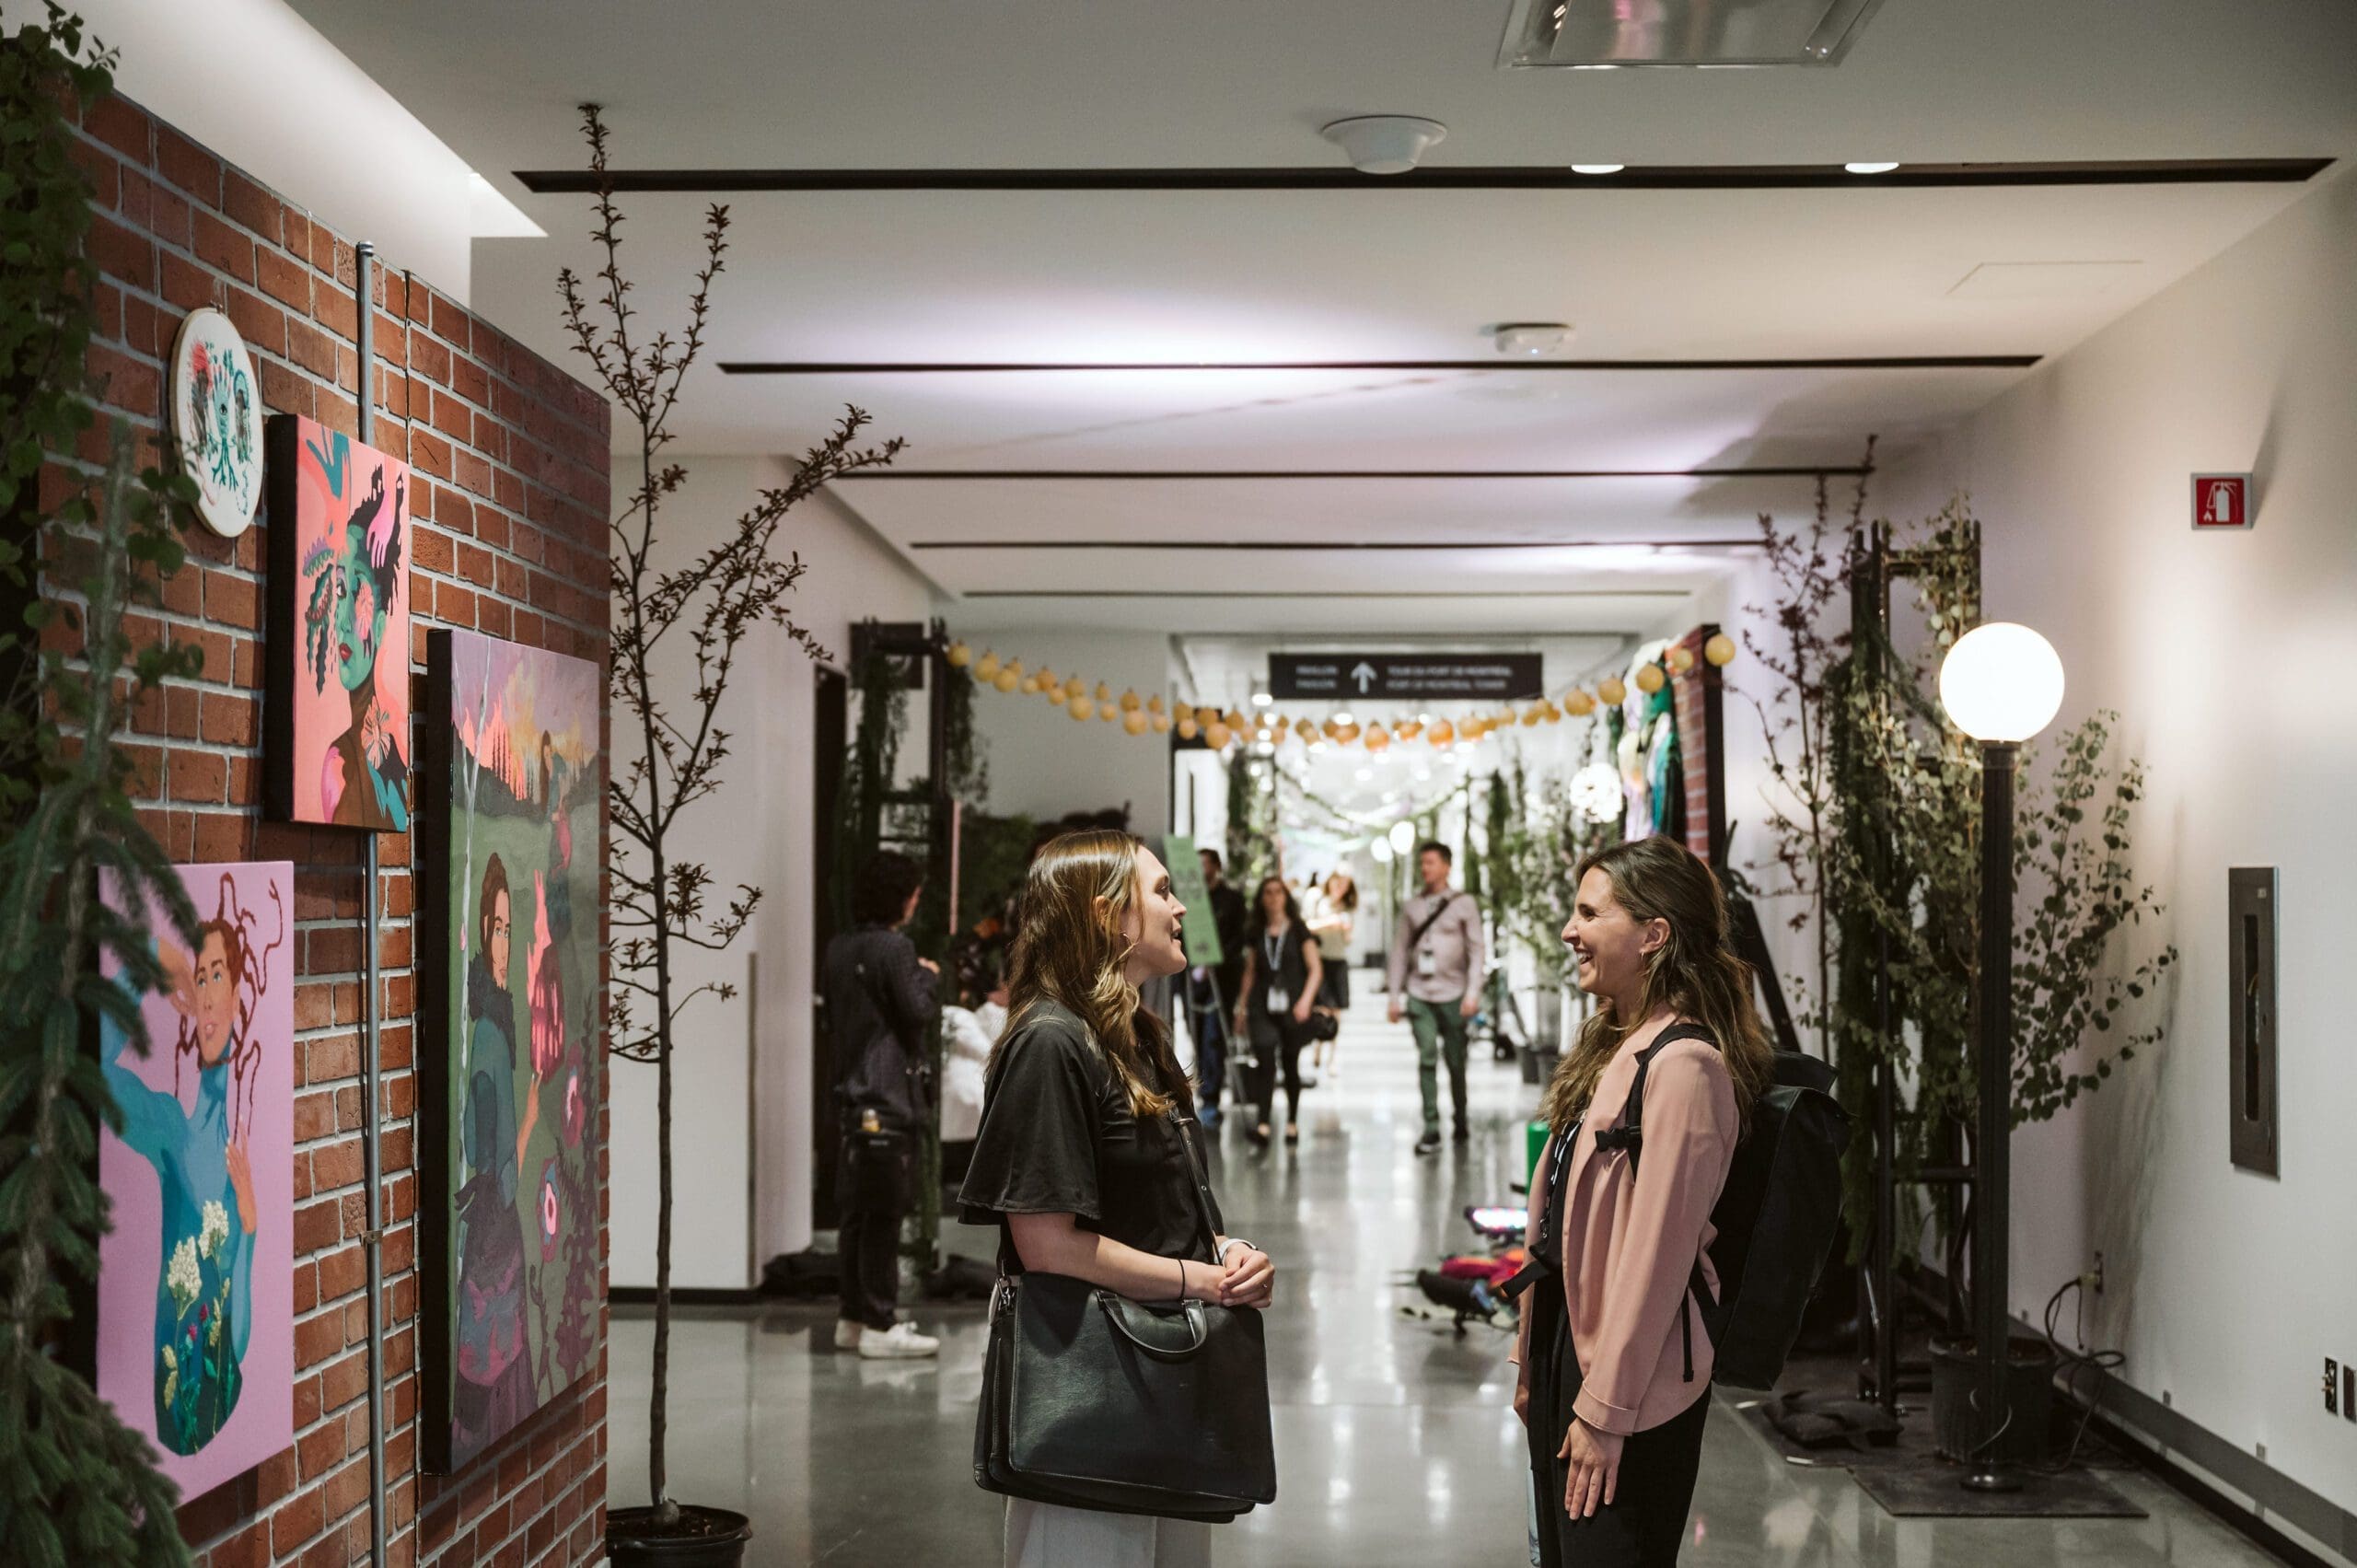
1364 676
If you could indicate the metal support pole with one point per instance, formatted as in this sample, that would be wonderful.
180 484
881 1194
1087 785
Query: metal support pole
1992 1328
372 1240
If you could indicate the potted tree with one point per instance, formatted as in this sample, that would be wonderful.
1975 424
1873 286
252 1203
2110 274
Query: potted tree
710 599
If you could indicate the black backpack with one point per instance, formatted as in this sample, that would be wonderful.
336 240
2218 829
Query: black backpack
1775 1218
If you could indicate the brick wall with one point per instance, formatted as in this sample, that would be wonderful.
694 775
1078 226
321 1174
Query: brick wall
1694 695
509 493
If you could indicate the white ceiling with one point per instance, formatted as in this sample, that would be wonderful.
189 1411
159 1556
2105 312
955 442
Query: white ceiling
1359 274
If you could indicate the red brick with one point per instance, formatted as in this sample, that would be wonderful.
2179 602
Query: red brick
316 1226
227 720
284 278
197 775
120 124
316 1339
232 600
187 166
310 348
261 323
121 252
297 1519
186 285
221 247
248 203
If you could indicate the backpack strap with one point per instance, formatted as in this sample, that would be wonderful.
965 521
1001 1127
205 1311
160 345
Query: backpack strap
1629 1134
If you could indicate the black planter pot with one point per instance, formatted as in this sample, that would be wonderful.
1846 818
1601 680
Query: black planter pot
2029 1391
705 1537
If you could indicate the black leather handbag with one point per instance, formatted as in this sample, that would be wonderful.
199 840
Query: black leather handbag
1092 1400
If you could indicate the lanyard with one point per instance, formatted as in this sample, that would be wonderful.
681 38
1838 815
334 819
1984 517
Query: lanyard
1273 945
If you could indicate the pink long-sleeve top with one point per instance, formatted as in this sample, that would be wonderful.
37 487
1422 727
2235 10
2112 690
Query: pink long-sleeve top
1630 1237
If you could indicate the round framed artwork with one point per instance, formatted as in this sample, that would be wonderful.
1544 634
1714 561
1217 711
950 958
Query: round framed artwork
216 416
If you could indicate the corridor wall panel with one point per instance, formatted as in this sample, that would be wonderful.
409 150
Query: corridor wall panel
507 490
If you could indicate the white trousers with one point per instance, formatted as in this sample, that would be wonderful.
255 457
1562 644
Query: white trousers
1041 1535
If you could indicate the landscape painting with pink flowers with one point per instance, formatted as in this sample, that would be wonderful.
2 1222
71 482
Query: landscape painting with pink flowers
511 785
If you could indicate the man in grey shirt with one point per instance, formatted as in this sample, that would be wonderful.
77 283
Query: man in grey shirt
1437 965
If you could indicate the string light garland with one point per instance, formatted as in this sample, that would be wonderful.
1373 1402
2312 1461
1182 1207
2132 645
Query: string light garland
1154 715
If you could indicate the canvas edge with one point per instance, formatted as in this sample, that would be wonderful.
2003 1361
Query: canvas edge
282 494
430 824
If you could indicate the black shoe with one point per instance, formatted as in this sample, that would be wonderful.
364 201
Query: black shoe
1429 1143
1461 1134
1258 1136
1293 1137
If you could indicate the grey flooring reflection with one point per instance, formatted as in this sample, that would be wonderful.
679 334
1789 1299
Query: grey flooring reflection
1396 1445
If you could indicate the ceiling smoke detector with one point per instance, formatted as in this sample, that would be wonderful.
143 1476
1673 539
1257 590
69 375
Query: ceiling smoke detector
1532 339
1383 144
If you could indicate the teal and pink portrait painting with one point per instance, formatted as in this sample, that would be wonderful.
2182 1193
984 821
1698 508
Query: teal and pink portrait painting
195 1297
339 647
511 1058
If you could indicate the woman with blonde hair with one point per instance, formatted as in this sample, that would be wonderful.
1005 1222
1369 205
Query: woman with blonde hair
1087 1156
1615 1368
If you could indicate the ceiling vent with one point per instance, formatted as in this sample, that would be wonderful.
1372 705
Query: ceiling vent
1601 34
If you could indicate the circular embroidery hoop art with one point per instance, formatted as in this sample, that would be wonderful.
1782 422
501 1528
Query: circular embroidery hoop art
217 418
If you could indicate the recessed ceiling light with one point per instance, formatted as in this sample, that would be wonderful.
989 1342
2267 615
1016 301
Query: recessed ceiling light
1597 168
1870 168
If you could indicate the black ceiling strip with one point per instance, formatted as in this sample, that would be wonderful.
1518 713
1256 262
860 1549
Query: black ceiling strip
1229 593
991 367
1129 475
1261 544
1514 176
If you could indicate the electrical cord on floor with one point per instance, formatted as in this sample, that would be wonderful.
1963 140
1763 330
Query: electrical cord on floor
2098 1361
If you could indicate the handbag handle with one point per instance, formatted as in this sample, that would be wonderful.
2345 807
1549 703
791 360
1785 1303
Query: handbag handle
1118 1310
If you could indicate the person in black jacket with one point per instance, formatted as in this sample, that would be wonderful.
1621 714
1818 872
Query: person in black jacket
882 1001
1228 918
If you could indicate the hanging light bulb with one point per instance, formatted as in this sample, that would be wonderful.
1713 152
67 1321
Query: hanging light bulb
1613 691
1651 679
1080 707
1161 723
960 655
1009 677
1154 703
1108 711
1681 658
1304 728
1720 650
1104 692
1218 734
1534 715
986 669
1189 728
1135 721
1407 729
1206 717
1441 733
1579 705
1376 739
1130 703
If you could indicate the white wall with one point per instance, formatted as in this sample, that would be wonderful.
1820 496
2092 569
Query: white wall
742 1112
2228 657
1043 762
259 87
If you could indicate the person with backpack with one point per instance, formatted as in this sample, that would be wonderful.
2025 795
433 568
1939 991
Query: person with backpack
1616 1345
1437 963
881 1003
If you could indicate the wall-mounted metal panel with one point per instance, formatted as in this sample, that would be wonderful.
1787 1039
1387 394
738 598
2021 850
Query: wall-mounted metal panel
2250 1030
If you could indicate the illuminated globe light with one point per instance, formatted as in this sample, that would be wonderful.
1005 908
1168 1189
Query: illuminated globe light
1553 714
1189 728
1080 707
1108 711
1206 717
1376 739
1130 703
1234 718
1595 792
2001 682
1681 659
1402 837
1009 678
1611 692
1135 721
1379 852
1408 729
1049 681
1305 729
1651 679
1579 705
960 655
1030 685
1161 723
1720 650
1218 734
1533 716
987 669
1104 692
1347 734
1442 733
1154 703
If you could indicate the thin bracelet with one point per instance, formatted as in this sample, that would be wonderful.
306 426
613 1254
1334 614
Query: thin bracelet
1183 1279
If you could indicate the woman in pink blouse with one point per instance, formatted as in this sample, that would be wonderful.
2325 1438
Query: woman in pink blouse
1615 1363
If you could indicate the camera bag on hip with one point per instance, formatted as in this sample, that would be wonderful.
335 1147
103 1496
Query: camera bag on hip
1775 1218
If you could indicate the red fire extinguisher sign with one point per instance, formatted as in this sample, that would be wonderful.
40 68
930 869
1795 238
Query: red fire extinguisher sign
2221 501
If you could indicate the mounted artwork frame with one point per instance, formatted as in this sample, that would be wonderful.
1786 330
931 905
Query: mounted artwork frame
336 712
216 409
511 1036
195 1309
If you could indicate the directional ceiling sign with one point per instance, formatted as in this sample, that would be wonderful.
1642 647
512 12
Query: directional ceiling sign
1404 677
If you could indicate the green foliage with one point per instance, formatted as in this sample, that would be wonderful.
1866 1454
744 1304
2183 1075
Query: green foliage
76 1485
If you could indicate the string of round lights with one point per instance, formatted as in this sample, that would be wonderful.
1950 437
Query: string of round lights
1083 701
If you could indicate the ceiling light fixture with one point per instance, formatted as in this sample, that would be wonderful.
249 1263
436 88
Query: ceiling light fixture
1383 144
1532 339
1597 168
1870 168
1261 699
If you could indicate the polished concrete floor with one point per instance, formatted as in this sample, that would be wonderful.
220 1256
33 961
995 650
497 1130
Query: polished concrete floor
1395 1442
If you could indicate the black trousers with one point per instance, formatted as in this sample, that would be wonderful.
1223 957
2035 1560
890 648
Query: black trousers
1645 1524
872 1184
1276 1044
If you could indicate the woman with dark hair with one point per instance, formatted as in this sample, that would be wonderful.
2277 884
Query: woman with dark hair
494 1389
364 778
1333 916
1281 970
1615 1374
1086 1154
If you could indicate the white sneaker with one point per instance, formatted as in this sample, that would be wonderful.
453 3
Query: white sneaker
899 1342
847 1333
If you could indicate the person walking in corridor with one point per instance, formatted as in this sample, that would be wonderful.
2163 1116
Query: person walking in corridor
1614 1376
1228 918
1087 1157
1437 962
1280 979
881 1003
1333 916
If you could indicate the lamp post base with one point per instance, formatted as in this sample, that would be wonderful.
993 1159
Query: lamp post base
1992 1478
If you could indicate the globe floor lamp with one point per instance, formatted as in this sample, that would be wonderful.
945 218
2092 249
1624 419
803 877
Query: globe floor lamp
2001 684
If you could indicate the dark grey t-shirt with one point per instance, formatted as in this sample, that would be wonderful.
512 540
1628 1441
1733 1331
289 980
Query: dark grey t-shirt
1058 1137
